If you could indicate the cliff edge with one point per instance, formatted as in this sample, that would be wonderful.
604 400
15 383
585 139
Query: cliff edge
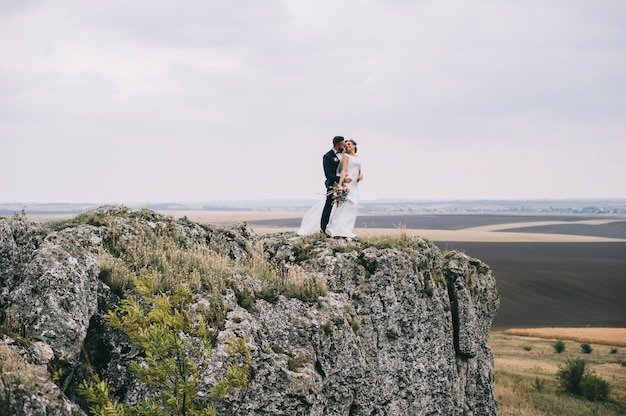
380 326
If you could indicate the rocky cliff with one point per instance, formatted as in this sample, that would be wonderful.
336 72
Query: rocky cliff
378 326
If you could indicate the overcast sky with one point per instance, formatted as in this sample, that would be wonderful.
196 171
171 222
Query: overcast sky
142 101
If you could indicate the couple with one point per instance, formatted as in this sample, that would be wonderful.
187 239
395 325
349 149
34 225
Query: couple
342 167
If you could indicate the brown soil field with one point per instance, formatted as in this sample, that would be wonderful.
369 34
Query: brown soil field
606 336
613 229
555 284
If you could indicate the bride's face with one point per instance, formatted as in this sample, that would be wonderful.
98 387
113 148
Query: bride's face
349 147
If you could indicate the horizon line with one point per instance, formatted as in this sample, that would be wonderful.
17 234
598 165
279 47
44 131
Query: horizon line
259 200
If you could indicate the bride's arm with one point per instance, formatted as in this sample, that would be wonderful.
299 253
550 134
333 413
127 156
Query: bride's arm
344 169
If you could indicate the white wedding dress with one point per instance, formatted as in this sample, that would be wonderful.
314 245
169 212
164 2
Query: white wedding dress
342 217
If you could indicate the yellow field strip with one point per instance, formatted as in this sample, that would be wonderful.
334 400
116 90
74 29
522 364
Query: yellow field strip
462 235
512 225
607 336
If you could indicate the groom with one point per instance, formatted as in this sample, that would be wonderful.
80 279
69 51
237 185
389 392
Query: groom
331 162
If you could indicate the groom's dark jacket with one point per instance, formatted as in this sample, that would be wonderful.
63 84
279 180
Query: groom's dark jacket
331 162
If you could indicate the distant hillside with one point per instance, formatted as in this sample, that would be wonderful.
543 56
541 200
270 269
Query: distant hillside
383 206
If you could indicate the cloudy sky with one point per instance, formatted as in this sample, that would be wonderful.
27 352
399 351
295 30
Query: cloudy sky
146 101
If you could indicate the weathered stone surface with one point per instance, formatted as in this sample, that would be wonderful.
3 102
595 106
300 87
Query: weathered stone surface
19 240
390 339
402 331
59 294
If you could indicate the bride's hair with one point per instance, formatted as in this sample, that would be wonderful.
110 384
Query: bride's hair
353 142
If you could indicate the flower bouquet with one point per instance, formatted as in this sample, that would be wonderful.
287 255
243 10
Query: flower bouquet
339 193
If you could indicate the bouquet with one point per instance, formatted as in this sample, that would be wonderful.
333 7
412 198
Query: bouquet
339 193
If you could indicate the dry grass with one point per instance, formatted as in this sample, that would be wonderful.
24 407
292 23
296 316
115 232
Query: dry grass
164 255
18 377
510 401
294 282
171 259
606 336
13 366
526 383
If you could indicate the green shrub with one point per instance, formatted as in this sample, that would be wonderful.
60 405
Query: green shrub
571 374
527 348
613 350
559 346
594 388
100 399
586 348
539 384
237 374
575 379
161 326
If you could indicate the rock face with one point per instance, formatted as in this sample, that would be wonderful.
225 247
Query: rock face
402 330
48 292
398 335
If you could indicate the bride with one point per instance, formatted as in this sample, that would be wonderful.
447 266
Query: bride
342 217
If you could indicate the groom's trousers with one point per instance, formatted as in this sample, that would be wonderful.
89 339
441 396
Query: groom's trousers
328 206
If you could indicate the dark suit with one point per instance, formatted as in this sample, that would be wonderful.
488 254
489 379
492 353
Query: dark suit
331 162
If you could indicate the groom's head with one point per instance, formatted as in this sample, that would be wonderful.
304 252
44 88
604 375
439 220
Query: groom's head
338 142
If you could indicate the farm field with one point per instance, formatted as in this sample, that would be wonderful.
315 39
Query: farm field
526 368
475 227
555 284
606 336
